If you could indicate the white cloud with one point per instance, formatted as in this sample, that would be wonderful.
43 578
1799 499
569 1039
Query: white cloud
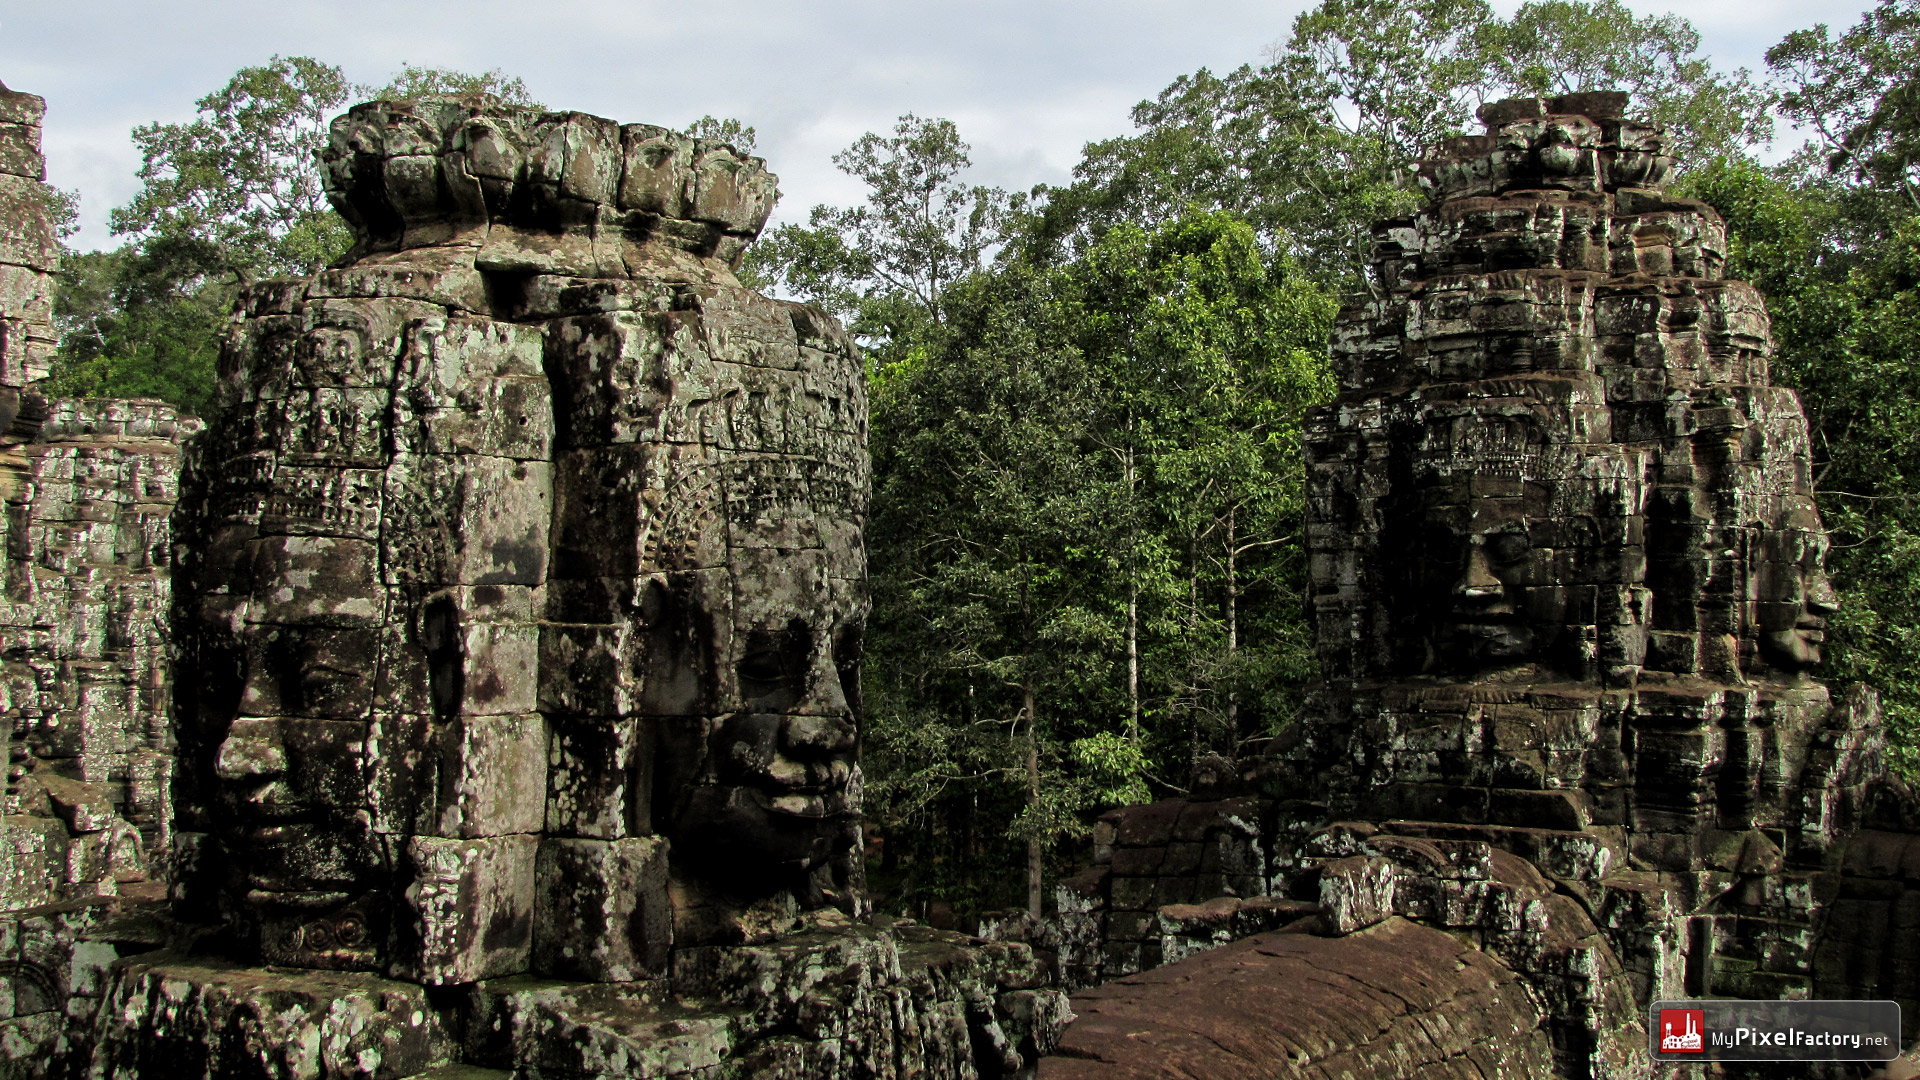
1028 81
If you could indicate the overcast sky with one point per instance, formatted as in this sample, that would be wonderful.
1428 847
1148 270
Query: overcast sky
1028 81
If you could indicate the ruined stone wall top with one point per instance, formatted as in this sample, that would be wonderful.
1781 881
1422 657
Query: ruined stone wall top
28 252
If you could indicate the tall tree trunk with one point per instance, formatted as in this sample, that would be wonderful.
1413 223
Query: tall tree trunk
1035 850
1193 650
1133 614
1233 624
1133 660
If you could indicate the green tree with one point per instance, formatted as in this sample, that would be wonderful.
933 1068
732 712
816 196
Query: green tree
1085 539
1567 46
1860 93
1832 238
128 330
885 266
724 130
235 194
987 634
1214 351
412 81
226 199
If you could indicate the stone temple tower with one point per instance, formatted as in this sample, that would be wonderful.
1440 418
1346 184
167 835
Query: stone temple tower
1566 563
1566 580
516 649
86 553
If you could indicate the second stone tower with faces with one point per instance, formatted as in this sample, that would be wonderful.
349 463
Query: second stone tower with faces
1566 563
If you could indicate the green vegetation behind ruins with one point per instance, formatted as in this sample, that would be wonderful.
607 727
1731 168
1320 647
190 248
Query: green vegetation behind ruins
1086 542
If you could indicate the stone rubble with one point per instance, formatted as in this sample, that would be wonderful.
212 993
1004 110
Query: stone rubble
1395 999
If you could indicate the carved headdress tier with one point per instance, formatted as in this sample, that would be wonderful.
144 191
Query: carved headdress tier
540 192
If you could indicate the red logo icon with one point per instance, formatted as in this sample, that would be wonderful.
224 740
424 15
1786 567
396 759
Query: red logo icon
1682 1031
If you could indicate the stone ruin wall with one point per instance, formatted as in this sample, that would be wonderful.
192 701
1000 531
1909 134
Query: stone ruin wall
85 592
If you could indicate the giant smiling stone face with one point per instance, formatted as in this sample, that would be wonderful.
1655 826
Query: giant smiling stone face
729 535
1505 541
526 544
291 617
1793 596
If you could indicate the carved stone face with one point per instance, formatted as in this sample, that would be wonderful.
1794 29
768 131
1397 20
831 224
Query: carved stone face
1488 622
765 793
293 602
290 759
781 787
1478 561
1794 597
732 541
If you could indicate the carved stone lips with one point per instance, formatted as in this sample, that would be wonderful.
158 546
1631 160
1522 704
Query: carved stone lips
265 893
287 831
812 803
1486 626
274 802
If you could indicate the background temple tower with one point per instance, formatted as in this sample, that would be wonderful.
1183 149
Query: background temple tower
1565 575
86 556
1567 567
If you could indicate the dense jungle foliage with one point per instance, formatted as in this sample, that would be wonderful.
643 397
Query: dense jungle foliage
1086 536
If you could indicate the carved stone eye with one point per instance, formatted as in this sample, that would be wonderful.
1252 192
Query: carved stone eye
763 668
1508 547
773 669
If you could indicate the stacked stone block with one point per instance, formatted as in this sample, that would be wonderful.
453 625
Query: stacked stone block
406 504
84 610
1172 852
28 252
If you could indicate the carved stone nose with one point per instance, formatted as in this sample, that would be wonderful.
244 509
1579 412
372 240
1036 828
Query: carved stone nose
824 695
1821 599
1478 582
818 736
252 750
